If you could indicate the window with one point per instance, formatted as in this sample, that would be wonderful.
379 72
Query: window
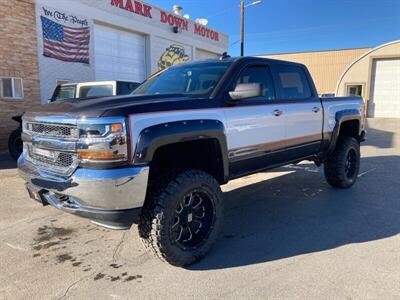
95 91
293 82
11 88
64 92
259 74
192 80
354 90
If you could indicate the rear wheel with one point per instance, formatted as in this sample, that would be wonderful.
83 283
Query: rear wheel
181 221
342 167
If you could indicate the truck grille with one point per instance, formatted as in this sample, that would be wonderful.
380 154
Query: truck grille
57 162
55 130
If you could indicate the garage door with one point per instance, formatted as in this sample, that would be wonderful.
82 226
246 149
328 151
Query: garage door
385 92
203 54
119 55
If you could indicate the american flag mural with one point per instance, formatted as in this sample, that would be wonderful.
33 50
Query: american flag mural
65 43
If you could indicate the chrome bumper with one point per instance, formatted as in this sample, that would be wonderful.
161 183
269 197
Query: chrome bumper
89 190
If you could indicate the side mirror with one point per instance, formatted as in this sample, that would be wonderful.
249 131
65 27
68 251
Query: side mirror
246 91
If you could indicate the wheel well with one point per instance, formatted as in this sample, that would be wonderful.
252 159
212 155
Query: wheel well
350 128
204 154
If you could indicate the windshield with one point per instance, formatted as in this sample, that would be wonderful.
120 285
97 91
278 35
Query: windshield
64 92
193 80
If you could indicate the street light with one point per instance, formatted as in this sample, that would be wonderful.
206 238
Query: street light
242 7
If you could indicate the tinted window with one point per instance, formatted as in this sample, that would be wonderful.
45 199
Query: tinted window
192 80
64 92
259 74
96 91
293 83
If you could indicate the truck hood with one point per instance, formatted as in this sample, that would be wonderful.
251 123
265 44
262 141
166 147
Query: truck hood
116 105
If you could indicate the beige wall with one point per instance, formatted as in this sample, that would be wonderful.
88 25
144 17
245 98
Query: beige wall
360 71
18 58
326 67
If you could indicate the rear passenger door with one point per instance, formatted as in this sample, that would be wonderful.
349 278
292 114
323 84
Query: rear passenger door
303 111
255 126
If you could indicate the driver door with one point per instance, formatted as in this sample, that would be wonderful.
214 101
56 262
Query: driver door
255 126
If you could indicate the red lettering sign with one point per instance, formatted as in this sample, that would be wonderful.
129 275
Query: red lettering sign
174 20
206 32
134 7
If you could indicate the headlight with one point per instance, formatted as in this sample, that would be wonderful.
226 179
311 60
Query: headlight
103 142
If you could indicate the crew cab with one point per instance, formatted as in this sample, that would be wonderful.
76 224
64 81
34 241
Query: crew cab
158 156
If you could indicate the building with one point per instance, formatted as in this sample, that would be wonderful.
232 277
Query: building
373 73
19 70
47 42
326 67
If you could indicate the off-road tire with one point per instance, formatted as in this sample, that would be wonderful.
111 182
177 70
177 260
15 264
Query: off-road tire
15 143
335 168
158 213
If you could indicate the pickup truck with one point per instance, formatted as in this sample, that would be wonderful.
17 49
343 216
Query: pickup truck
158 156
93 89
80 91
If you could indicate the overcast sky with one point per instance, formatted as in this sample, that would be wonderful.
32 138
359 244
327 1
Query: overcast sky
277 26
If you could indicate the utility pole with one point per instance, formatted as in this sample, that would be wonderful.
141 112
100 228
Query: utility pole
241 28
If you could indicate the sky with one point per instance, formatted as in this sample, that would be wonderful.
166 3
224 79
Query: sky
284 26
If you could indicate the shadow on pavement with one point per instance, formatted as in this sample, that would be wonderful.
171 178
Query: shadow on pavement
6 162
299 213
379 138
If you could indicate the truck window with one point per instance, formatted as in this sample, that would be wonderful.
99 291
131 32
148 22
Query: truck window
292 82
64 92
193 80
259 74
96 91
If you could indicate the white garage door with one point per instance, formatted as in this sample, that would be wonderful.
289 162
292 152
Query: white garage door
385 92
203 54
119 55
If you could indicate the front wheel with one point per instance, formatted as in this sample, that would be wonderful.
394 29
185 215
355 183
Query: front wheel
181 220
342 166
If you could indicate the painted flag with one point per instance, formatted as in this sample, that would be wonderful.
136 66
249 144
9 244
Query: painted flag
65 43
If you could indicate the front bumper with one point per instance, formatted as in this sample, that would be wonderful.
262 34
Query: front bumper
110 197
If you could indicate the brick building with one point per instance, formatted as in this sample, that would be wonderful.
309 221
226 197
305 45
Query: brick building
19 71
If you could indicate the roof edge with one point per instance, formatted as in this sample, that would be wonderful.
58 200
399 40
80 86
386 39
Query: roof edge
360 58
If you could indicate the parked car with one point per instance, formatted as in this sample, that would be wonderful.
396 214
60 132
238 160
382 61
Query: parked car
159 156
91 89
82 91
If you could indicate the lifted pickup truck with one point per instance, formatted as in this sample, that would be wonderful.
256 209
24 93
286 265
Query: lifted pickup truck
159 156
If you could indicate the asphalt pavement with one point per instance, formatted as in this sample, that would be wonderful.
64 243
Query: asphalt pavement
287 234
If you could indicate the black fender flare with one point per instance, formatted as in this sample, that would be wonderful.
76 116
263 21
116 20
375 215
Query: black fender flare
156 136
341 117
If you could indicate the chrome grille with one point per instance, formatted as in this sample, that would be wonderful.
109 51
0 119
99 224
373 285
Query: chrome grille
56 130
61 162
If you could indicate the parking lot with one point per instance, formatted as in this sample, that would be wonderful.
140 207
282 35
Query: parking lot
286 235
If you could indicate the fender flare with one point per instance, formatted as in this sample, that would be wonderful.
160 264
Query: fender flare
156 136
341 117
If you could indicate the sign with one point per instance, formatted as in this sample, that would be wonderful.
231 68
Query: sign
170 19
134 7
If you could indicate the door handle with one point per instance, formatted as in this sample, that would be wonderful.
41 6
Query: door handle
277 112
315 109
